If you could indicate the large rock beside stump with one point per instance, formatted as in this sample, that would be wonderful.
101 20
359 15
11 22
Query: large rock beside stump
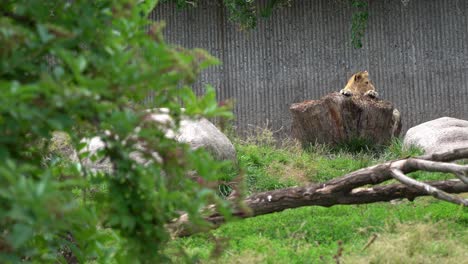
336 118
438 135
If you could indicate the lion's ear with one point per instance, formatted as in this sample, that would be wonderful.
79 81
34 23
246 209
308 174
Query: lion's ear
357 77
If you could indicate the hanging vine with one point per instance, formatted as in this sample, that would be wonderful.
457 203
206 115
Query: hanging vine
246 13
243 12
359 22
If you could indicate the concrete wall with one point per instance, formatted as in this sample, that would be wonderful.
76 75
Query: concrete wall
416 52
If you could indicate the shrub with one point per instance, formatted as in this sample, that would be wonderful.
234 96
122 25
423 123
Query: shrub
82 67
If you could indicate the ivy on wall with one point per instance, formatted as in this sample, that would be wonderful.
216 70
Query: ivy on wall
243 12
247 12
359 22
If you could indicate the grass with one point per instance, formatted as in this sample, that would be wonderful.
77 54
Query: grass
269 166
415 243
313 234
424 231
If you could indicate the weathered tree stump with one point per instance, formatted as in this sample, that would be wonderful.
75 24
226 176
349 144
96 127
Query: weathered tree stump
336 118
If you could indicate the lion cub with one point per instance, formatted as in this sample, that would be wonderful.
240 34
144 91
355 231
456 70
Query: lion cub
359 83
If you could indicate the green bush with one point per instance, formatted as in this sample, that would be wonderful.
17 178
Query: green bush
82 67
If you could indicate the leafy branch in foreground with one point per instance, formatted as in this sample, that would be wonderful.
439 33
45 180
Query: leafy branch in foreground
81 67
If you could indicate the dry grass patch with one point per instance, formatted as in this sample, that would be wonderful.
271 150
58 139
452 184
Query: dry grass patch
246 257
288 173
415 244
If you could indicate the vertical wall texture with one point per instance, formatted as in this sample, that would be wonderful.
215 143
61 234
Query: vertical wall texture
416 52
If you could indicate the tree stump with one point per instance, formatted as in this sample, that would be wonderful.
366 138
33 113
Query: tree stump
336 118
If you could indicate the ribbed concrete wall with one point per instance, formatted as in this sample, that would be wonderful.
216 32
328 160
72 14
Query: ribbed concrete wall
416 52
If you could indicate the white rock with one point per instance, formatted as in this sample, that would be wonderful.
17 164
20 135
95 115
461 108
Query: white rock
199 133
439 135
93 162
203 134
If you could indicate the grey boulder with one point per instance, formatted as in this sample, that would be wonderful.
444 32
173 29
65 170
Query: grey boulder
438 135
199 133
203 134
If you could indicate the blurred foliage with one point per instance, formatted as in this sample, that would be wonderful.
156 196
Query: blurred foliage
81 67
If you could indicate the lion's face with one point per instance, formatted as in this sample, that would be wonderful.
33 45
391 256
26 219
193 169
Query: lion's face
362 82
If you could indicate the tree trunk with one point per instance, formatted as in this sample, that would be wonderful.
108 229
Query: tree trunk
336 118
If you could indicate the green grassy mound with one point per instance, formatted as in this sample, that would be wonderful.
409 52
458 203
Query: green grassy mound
424 231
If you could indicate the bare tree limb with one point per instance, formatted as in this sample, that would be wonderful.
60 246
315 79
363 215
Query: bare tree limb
398 175
348 189
379 173
436 166
458 170
455 154
462 177
288 198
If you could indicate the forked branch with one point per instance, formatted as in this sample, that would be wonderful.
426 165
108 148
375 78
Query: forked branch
348 189
439 194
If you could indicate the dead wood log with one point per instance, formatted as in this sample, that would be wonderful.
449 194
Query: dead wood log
336 118
427 188
349 189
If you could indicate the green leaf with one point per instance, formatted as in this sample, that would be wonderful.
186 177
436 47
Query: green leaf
146 6
81 63
20 234
43 33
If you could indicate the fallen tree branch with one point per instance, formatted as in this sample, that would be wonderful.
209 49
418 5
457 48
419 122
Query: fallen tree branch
279 200
424 187
294 197
348 189
379 173
455 154
462 177
458 170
